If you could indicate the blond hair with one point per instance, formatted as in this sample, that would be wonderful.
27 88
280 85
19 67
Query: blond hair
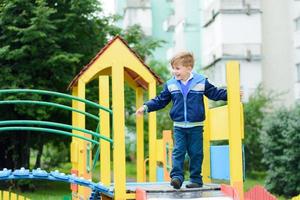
184 58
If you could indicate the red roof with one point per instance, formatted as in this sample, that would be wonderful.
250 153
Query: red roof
134 75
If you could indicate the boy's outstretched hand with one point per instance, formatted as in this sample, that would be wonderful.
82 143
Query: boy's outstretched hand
140 111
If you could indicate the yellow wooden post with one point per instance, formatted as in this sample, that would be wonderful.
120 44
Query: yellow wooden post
152 136
296 198
139 137
79 121
5 195
160 150
206 145
104 130
167 153
235 135
22 198
75 142
13 196
119 128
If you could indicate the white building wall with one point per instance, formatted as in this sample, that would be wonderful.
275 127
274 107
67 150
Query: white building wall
186 20
232 35
241 28
278 49
179 8
212 40
250 76
179 20
138 12
296 19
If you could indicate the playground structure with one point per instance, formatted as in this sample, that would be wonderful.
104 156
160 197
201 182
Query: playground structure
224 123
118 63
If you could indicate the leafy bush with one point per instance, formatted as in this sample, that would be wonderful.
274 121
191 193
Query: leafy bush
254 112
280 144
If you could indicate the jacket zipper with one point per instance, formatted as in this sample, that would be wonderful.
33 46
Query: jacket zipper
185 113
184 104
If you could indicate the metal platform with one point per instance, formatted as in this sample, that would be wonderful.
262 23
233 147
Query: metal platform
163 190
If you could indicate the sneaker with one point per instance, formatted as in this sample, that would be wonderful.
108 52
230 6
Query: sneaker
176 183
194 185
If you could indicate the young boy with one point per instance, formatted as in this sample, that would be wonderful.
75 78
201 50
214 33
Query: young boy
186 90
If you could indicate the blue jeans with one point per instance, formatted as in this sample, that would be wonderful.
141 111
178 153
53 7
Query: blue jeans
188 140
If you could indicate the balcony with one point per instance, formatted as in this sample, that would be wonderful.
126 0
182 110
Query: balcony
247 51
241 49
239 4
138 3
230 6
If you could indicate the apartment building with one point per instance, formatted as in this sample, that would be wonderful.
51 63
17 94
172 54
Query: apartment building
232 31
176 22
263 35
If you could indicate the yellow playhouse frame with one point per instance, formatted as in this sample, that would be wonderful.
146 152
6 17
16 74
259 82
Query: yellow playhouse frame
117 60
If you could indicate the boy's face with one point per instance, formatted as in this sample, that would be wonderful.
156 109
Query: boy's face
181 72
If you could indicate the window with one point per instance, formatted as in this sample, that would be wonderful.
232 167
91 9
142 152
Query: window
298 72
297 22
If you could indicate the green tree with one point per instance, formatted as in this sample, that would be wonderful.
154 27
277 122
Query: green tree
43 45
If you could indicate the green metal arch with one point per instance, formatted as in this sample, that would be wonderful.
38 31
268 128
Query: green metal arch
24 128
49 104
66 96
54 124
6 91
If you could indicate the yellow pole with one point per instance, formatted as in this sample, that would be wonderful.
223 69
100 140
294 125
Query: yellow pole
139 137
76 152
82 157
74 144
235 135
104 130
13 196
119 135
22 198
5 195
152 136
206 145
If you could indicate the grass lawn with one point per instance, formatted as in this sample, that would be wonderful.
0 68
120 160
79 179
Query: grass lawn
255 178
47 190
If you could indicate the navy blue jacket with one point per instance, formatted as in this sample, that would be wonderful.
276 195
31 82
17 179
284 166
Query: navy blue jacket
189 108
